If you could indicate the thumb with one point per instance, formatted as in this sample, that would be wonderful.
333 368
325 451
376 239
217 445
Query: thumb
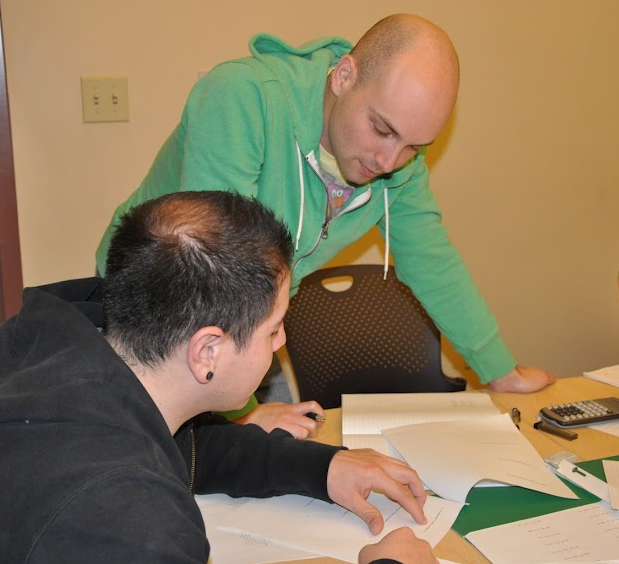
371 516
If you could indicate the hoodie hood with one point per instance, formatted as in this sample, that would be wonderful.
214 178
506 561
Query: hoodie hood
47 351
292 67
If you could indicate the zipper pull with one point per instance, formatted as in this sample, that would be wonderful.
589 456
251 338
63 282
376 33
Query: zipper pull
325 231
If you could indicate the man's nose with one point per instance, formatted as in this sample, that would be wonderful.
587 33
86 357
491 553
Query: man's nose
387 159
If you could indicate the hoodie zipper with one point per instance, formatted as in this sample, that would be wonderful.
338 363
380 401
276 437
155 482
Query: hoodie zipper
324 231
193 460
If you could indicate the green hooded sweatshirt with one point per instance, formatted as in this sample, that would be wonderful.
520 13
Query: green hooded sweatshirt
254 125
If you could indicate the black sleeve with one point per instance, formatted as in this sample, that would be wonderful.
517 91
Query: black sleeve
244 460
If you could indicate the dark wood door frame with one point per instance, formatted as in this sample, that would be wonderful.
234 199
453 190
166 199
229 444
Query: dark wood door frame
11 282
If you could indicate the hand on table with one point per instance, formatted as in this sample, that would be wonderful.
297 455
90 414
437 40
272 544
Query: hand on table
523 380
400 545
353 474
288 416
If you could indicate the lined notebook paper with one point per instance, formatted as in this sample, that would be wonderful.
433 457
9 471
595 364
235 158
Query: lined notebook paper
364 416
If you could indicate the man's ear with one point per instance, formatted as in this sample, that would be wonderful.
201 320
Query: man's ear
344 75
204 351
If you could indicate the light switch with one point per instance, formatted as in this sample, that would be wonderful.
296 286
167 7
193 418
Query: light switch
105 98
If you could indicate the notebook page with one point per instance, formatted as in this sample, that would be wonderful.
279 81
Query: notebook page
367 414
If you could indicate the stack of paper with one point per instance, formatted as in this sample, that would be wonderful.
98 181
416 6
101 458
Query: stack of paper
454 441
608 375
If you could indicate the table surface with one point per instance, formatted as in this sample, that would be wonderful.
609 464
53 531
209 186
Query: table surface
590 444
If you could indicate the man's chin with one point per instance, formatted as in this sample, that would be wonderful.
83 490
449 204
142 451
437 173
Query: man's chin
357 182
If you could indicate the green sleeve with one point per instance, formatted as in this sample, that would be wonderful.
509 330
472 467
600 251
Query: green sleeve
232 415
429 264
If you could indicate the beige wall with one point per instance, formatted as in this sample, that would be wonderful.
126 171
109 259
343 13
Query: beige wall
526 173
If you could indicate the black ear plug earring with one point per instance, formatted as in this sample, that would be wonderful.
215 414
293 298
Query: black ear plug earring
209 376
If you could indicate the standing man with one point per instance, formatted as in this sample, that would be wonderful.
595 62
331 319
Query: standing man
333 140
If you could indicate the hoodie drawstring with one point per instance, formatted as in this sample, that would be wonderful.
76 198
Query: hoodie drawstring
386 265
302 209
302 206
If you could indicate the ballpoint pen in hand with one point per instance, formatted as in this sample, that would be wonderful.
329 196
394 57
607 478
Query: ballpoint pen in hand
315 417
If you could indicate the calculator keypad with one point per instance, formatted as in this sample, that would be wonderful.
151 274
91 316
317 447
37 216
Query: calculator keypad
580 410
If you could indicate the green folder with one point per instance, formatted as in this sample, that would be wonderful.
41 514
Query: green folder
491 506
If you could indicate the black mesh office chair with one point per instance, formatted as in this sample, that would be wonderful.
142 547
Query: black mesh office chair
373 337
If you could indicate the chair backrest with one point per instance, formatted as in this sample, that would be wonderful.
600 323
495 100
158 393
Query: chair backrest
372 337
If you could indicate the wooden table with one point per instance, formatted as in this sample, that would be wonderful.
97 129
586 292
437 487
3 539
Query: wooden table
589 445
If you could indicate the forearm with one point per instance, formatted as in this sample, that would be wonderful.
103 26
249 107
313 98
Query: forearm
244 460
430 265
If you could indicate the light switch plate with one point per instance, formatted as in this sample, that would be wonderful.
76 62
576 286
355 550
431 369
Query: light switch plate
105 98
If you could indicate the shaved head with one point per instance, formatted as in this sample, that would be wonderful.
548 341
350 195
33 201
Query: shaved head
389 97
398 34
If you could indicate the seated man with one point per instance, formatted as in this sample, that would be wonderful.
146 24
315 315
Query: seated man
192 306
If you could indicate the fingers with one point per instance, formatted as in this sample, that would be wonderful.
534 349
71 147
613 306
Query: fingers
413 502
552 377
523 380
290 417
305 407
372 516
400 483
404 474
353 474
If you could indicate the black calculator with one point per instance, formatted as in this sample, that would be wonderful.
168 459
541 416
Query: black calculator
581 413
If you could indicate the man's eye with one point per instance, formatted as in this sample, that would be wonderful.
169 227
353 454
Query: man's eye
380 131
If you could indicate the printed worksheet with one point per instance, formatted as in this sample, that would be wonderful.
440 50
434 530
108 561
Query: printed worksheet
330 530
589 533
451 457
239 548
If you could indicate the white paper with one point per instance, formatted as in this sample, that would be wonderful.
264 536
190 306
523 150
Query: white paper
608 375
582 478
611 428
582 534
239 548
611 471
452 456
377 442
364 416
330 530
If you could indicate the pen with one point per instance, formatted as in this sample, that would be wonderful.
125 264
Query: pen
516 417
315 417
563 433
